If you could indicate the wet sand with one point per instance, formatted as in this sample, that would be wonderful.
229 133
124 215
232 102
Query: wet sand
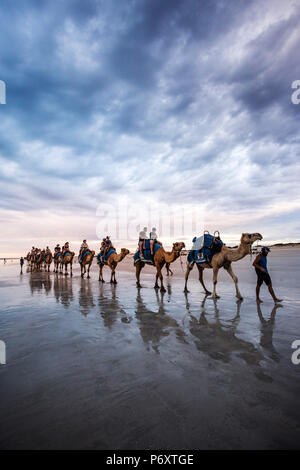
98 366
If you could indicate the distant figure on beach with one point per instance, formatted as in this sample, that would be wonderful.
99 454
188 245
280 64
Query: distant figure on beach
21 264
261 269
4 261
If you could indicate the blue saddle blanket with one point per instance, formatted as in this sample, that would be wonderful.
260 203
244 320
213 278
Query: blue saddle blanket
84 254
147 257
101 259
57 255
67 253
204 248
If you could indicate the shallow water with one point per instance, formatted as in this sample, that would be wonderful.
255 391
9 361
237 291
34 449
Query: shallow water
94 365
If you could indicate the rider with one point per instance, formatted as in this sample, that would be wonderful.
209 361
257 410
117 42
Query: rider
84 247
65 248
142 238
153 239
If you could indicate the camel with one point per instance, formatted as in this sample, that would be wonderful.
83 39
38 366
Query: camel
223 259
39 262
161 257
57 263
112 262
88 259
48 261
65 260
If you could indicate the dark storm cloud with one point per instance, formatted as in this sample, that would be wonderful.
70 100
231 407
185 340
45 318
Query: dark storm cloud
190 100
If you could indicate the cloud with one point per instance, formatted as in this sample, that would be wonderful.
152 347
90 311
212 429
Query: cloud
189 102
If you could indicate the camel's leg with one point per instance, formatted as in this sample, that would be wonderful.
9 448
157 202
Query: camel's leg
88 271
71 269
101 273
188 270
215 280
138 268
235 280
200 269
114 275
159 274
156 286
66 269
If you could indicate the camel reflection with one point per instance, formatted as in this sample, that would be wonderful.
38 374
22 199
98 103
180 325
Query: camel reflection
156 324
110 309
218 340
63 290
86 299
40 283
266 331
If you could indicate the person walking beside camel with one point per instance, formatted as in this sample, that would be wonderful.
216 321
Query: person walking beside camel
261 269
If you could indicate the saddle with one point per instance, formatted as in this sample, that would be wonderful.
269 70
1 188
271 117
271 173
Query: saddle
84 254
204 248
147 257
103 259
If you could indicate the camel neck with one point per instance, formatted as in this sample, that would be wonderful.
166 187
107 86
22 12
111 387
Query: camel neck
240 252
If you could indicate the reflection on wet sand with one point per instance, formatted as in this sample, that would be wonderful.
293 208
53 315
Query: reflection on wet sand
156 324
63 290
267 327
86 299
219 341
110 308
40 282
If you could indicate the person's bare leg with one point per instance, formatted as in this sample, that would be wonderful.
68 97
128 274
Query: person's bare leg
257 294
273 294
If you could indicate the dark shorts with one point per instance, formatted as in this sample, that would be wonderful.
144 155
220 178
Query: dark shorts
263 277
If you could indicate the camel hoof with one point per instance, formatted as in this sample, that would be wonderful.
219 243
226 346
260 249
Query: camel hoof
186 291
216 296
240 297
156 287
88 277
207 292
82 275
162 289
115 282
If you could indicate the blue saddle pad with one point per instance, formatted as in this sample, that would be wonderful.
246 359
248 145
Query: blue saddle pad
67 253
147 258
84 254
210 246
37 256
57 255
104 260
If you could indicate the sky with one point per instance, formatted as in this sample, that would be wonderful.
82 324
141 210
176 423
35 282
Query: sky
125 114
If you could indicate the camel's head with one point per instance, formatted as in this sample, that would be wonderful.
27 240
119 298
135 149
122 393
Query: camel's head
178 246
250 238
124 251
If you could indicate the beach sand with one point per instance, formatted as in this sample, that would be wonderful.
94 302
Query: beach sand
98 366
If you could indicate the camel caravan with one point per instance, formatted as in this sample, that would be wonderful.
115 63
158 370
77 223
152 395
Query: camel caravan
208 252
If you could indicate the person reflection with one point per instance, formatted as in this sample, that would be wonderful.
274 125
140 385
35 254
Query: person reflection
266 332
